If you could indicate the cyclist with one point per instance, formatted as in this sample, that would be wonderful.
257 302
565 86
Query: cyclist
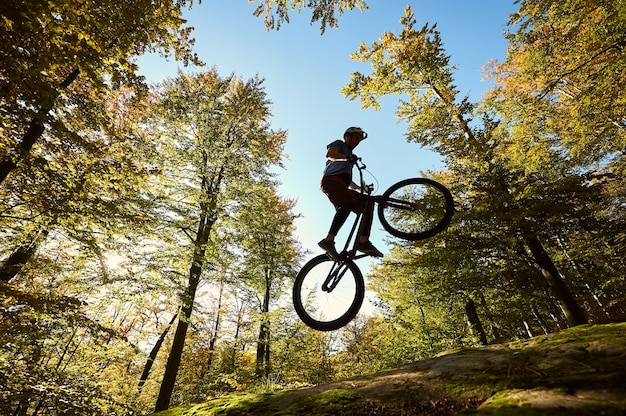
344 194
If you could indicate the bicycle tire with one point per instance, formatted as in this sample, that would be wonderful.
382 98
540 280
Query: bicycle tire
416 208
322 310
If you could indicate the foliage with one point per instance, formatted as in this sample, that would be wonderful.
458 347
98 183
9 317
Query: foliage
82 214
562 125
275 13
568 124
508 199
60 59
557 85
43 365
122 206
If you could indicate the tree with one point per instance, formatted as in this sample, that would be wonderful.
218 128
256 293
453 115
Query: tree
556 97
47 47
87 193
324 11
415 64
216 143
153 353
52 356
266 233
422 299
558 83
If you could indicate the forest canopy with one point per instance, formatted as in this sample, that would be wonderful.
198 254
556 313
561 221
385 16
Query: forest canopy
147 256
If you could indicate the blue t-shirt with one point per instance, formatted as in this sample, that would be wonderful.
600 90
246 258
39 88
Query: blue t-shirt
339 168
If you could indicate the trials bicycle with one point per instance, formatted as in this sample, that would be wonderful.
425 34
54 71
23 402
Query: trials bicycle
328 293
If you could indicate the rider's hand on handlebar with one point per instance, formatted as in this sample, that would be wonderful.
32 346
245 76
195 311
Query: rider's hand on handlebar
364 188
352 158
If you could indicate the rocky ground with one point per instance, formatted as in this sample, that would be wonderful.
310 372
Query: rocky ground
580 371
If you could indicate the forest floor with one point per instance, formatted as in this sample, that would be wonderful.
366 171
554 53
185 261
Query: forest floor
579 371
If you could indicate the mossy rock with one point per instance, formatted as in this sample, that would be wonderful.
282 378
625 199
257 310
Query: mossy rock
579 371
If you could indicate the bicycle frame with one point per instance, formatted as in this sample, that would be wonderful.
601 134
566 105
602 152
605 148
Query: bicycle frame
396 203
366 191
334 276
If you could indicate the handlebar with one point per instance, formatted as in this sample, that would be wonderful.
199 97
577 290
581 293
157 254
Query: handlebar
365 188
358 162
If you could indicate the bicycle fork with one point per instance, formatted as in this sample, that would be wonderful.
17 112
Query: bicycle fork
337 271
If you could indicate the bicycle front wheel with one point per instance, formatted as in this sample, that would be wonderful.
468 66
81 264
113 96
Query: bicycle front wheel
328 294
416 208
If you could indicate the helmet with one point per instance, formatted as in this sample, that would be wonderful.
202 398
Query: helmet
351 130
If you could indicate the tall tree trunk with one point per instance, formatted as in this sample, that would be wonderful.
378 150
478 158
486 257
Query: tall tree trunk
575 266
216 328
195 271
262 368
22 254
473 321
425 325
34 131
495 330
599 303
153 353
542 323
238 325
573 313
262 351
527 328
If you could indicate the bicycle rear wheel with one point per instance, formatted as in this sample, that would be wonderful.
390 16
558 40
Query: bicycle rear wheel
417 208
328 294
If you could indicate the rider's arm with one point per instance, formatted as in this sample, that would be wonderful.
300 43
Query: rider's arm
334 155
354 187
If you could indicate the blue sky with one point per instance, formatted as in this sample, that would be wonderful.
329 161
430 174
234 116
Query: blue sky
305 70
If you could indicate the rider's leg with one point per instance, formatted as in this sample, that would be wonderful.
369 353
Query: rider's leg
328 244
365 226
336 189
341 215
363 243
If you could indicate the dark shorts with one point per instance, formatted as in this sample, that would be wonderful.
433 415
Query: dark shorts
336 189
